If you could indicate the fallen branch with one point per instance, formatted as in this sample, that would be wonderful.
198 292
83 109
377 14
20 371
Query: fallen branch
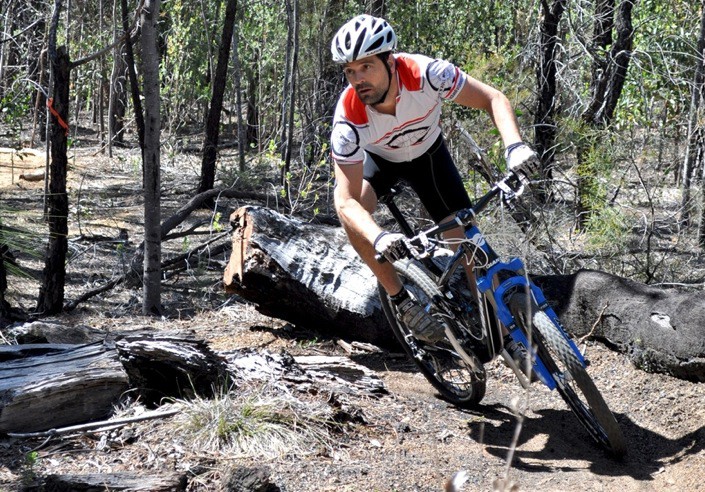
111 424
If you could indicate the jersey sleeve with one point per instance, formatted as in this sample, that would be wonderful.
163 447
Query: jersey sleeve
345 143
445 78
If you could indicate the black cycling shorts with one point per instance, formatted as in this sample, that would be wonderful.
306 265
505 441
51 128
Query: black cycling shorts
433 177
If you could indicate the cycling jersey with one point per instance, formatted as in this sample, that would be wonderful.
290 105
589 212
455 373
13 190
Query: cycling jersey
423 85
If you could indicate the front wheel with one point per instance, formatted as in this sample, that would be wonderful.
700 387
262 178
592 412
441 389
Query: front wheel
576 386
460 379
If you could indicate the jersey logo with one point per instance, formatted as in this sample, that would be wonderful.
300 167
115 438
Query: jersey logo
345 140
408 138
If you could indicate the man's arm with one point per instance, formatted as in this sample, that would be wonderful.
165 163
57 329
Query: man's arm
520 157
354 202
478 95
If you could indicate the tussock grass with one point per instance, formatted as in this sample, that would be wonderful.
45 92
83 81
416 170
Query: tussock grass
259 421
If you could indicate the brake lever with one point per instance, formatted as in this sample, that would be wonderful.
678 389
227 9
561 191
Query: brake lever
421 246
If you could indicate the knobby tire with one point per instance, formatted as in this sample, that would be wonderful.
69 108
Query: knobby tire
590 409
455 380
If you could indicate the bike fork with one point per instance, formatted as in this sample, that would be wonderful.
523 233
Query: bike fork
537 365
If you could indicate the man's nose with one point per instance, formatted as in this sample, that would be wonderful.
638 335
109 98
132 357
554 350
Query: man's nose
356 78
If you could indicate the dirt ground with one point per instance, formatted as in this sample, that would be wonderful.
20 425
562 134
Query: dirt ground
406 440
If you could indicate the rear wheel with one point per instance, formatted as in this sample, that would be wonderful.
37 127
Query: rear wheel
574 384
459 379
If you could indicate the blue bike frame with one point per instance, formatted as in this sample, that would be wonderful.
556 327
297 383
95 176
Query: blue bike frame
518 281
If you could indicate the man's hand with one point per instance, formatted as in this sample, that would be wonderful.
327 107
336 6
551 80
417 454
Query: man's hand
392 245
522 159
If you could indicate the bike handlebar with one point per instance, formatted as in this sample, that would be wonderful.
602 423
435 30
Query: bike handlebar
511 185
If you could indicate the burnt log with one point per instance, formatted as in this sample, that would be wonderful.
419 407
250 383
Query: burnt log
309 275
53 387
662 330
130 481
166 366
59 388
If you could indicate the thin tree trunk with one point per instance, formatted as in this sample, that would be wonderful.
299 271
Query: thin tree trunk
544 122
51 292
117 101
242 142
701 230
151 282
292 84
4 305
38 74
378 8
78 72
285 92
134 84
4 47
210 144
696 140
253 116
288 107
609 75
40 102
101 90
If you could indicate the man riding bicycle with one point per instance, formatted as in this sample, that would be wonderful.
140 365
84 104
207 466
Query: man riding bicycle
387 128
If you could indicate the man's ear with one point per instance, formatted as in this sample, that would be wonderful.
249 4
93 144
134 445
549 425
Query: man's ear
391 62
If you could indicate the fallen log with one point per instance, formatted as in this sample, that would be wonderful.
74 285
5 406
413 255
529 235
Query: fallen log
59 388
309 275
47 387
131 481
306 274
662 330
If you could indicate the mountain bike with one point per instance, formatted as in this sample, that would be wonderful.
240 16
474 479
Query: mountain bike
477 314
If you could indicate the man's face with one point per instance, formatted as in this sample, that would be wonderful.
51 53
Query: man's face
369 78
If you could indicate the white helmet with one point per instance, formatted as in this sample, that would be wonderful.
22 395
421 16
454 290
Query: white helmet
361 37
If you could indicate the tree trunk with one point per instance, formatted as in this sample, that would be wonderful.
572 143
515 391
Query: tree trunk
82 383
292 85
210 144
4 305
378 8
544 121
7 29
253 116
695 149
242 143
151 281
76 385
118 90
608 77
38 74
51 292
701 229
134 84
303 273
123 480
289 97
311 276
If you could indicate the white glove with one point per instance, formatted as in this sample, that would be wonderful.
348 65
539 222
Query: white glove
522 159
392 245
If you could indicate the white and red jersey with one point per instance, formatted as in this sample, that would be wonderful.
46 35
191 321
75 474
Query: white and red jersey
423 85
